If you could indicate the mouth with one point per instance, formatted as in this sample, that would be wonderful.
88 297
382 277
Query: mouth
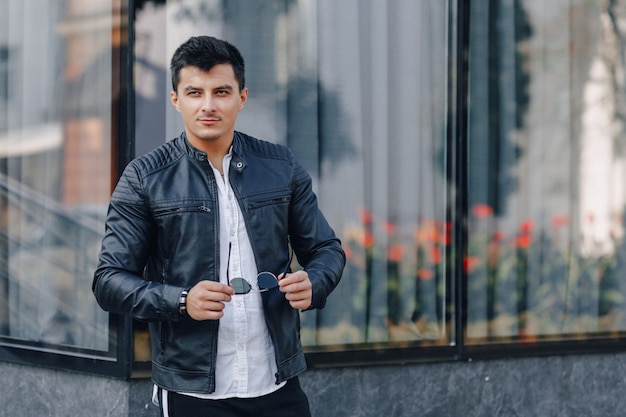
209 121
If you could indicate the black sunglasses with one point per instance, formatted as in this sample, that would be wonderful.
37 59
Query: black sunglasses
265 280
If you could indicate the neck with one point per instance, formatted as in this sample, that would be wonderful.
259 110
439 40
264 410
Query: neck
215 149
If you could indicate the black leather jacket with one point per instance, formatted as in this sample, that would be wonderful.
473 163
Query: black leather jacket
162 237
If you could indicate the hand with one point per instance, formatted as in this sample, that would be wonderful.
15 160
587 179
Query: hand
205 300
297 288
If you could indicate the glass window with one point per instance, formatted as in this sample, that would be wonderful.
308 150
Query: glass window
380 134
546 249
59 91
358 90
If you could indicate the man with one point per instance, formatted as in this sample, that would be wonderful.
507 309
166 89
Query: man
190 227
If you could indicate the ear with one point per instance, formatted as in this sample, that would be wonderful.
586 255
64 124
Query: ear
174 100
243 96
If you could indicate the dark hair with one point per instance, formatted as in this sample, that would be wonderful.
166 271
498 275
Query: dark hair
205 52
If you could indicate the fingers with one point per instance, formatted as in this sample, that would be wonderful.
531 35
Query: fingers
297 288
205 301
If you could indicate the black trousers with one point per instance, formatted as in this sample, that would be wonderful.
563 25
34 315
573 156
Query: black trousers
288 401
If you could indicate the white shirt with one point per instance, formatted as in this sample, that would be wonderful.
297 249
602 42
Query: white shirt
245 365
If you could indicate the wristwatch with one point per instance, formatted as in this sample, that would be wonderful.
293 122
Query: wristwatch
182 303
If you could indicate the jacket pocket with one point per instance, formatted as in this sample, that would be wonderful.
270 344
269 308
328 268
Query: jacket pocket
165 211
185 237
269 202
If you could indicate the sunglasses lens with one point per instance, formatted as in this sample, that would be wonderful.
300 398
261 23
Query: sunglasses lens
267 281
240 285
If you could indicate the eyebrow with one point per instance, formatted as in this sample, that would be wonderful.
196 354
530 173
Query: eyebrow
190 88
220 87
224 87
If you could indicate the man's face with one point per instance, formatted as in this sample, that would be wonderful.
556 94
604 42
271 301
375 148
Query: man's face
209 102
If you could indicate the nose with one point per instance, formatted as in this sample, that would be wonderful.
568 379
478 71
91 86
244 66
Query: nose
208 105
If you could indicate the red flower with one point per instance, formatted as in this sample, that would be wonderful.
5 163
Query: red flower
482 210
470 263
498 236
368 240
523 241
560 221
389 227
395 253
424 274
435 255
527 226
366 216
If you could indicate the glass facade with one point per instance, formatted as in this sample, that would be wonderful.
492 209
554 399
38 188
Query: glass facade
469 154
59 103
546 245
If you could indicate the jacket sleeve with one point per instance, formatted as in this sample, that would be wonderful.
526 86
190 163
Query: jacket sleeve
319 251
118 284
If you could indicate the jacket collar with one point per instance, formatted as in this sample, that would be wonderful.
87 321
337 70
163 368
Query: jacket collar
238 162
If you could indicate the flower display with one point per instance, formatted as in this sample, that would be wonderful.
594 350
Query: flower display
521 282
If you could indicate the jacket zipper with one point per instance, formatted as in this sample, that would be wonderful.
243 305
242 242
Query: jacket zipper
174 210
264 203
